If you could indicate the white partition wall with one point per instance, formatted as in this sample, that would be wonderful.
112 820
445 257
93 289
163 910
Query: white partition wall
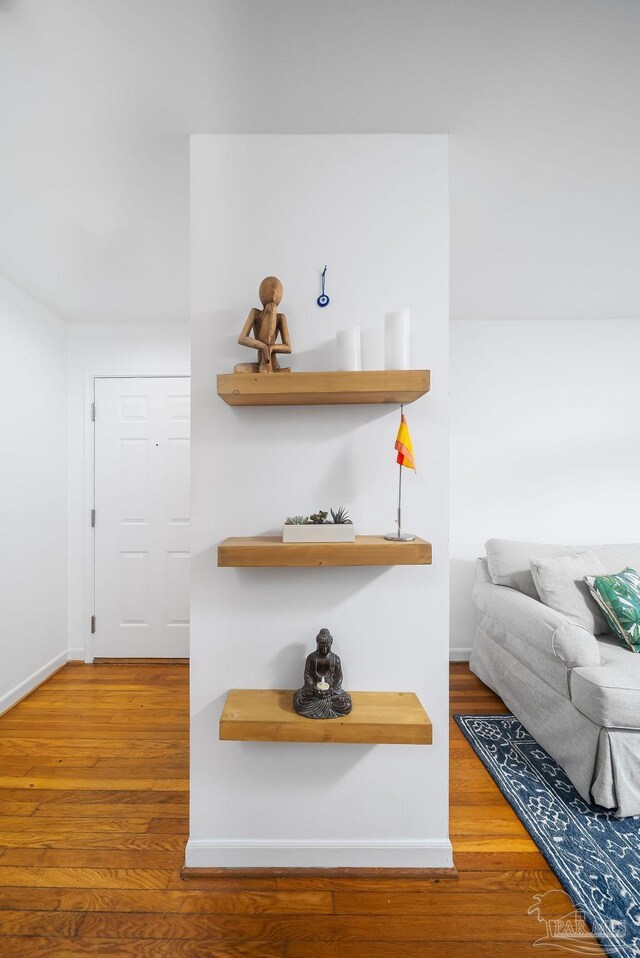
33 495
375 210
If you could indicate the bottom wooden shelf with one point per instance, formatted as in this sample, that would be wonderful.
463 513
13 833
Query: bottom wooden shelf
267 715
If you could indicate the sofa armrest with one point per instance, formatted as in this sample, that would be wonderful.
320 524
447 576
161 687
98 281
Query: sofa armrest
533 622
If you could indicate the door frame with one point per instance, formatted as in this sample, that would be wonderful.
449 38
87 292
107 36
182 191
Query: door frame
89 493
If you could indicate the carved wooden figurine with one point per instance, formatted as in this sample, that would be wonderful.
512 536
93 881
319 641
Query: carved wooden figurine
322 695
266 325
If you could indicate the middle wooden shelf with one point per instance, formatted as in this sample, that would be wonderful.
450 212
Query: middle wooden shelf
271 551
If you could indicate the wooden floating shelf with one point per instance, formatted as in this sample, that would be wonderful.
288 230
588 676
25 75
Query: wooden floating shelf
323 388
378 718
271 551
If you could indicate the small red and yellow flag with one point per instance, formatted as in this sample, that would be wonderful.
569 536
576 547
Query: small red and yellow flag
404 446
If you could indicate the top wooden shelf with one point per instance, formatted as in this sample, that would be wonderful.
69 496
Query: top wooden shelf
323 388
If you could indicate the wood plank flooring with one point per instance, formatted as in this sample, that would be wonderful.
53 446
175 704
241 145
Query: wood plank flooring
94 818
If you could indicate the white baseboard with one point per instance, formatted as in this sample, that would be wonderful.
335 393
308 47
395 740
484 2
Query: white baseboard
76 655
459 655
9 699
433 853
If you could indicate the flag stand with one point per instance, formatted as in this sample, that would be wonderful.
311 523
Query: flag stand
400 536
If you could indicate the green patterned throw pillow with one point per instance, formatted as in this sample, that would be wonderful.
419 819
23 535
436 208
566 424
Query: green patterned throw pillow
619 598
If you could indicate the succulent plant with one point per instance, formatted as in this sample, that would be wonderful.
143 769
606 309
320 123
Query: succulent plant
296 520
319 517
340 516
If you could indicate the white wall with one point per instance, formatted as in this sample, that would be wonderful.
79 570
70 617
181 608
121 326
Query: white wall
376 210
33 494
539 98
104 349
545 441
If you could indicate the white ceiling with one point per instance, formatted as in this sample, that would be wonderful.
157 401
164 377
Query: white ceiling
98 97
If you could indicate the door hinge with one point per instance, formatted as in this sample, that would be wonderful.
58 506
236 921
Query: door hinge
93 624
93 412
93 518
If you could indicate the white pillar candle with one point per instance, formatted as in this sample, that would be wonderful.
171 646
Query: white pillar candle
372 347
348 349
396 340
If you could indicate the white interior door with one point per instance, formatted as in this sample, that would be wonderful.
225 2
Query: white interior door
142 528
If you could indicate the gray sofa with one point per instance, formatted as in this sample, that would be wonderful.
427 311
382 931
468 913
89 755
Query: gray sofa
577 694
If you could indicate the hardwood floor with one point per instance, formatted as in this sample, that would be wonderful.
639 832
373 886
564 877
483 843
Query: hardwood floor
94 817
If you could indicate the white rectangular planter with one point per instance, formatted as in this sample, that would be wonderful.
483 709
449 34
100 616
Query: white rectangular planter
327 532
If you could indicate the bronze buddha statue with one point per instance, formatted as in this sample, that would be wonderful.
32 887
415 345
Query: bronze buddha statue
322 695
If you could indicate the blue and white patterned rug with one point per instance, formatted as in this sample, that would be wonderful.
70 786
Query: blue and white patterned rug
595 856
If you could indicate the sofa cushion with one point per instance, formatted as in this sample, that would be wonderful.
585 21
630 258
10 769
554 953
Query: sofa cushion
508 560
619 598
609 694
560 583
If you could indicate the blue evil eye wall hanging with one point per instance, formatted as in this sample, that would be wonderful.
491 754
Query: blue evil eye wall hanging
323 300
